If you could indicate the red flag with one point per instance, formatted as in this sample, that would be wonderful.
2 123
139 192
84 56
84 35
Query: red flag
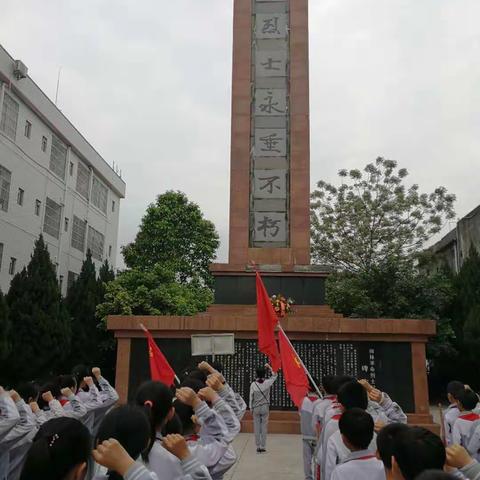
295 377
267 321
160 369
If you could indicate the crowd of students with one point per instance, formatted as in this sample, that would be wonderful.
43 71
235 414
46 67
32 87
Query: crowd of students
69 429
355 431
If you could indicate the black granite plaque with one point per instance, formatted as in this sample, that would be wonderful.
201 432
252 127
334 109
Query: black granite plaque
240 289
386 365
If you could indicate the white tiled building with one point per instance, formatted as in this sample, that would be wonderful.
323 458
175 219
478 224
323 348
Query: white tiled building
52 181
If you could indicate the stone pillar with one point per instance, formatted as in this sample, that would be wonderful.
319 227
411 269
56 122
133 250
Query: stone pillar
269 205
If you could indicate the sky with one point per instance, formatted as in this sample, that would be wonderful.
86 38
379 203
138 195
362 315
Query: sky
148 83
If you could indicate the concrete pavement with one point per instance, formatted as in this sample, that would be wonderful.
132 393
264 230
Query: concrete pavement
283 460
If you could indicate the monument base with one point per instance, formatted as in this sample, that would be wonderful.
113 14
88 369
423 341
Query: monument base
389 353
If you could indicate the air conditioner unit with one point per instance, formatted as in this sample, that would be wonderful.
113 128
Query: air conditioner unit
20 70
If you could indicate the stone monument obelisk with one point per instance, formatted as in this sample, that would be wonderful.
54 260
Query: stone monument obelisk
270 152
270 226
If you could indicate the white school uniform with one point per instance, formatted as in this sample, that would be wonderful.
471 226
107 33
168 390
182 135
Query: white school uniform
190 470
109 397
386 410
361 465
169 467
92 402
73 407
464 428
234 401
9 415
309 441
233 426
12 445
451 415
337 453
319 409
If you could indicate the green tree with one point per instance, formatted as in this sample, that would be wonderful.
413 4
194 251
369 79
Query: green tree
106 275
82 300
5 330
372 218
467 306
175 235
41 339
155 292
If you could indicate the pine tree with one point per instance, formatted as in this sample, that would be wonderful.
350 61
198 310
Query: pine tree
82 300
106 274
5 329
40 323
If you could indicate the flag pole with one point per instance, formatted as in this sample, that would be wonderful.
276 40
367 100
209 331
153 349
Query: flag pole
301 361
145 329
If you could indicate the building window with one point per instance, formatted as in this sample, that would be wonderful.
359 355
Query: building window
83 180
109 250
71 168
66 224
95 243
38 204
99 194
71 279
1 255
8 122
60 282
44 144
53 215
113 206
28 129
5 178
58 157
11 267
20 196
78 233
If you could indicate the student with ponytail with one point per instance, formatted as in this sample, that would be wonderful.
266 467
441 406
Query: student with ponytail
60 451
165 457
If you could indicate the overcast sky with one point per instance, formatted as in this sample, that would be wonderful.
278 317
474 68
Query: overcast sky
148 84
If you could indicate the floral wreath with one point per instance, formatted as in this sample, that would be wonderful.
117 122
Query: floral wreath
281 305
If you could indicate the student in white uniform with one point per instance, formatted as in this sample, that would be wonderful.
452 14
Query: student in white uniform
60 450
458 457
260 405
14 445
130 427
465 425
321 405
108 396
416 450
157 400
9 415
454 389
356 428
309 438
385 441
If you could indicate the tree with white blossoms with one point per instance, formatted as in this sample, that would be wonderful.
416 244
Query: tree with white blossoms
373 218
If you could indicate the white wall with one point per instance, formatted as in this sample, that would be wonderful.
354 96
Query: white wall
19 227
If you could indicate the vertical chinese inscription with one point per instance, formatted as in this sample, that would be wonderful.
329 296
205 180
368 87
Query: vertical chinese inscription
270 156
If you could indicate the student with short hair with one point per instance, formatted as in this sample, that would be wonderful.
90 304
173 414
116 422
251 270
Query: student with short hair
356 428
454 390
416 450
385 441
332 450
467 421
260 405
60 451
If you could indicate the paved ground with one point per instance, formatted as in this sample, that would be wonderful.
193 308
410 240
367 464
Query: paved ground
283 461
